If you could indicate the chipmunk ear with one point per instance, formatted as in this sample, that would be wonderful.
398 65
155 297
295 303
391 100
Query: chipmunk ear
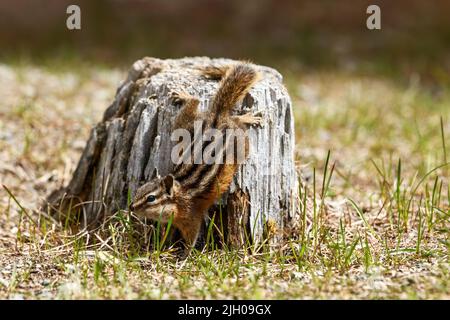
168 184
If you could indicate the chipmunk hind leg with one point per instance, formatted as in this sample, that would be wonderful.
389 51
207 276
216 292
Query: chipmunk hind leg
248 119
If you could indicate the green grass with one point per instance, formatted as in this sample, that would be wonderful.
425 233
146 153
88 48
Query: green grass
374 196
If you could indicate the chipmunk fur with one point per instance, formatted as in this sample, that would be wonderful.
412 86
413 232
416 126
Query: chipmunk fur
191 189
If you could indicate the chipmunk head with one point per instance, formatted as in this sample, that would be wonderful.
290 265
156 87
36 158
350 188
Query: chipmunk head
155 199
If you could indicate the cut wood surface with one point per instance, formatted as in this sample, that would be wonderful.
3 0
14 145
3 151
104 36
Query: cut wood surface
132 143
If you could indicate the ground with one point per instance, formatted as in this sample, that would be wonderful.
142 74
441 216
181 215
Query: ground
371 149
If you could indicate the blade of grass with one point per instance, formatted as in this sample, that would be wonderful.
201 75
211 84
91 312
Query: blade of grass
21 207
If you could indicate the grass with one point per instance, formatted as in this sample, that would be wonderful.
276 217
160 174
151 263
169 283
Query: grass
373 195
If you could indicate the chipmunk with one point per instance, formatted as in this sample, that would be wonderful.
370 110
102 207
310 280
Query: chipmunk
191 189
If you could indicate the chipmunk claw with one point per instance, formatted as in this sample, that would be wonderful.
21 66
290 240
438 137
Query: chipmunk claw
182 254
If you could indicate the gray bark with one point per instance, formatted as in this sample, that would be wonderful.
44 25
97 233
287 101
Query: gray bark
133 141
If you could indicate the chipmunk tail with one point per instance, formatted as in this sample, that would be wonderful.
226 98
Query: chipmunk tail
235 84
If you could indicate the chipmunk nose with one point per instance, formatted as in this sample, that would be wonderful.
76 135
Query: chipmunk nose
132 206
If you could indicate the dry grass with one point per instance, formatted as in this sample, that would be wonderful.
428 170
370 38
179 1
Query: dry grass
383 231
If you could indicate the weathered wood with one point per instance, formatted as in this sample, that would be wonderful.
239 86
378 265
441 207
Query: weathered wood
132 143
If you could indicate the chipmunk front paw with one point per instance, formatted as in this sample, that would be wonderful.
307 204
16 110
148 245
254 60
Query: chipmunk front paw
178 98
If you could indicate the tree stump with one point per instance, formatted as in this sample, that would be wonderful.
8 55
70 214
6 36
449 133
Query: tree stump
133 141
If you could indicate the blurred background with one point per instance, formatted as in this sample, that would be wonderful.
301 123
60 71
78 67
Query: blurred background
375 103
287 34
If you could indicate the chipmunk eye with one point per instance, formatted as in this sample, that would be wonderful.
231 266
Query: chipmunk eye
151 198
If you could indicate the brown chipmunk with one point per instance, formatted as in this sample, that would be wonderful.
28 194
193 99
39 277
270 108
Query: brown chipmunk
191 189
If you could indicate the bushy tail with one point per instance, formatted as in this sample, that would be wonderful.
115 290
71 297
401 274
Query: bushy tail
235 84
